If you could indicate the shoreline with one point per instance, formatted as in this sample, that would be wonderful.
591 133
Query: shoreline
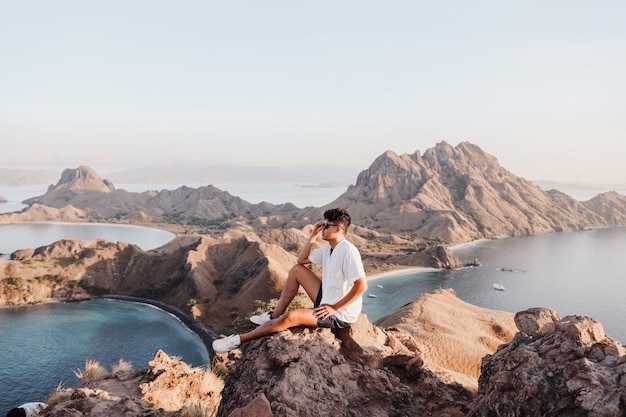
204 332
399 271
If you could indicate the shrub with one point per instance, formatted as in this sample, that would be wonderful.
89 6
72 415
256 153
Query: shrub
198 409
121 366
17 281
58 395
93 372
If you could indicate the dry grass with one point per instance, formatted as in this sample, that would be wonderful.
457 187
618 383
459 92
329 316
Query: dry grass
93 372
59 394
121 366
198 409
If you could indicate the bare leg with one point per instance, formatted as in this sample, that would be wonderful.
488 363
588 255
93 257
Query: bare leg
298 317
298 275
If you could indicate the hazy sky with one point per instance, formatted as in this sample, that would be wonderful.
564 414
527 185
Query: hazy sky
538 84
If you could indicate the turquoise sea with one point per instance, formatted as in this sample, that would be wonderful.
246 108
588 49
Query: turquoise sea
577 273
42 345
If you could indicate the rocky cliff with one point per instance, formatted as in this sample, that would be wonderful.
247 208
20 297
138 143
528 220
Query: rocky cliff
554 367
550 367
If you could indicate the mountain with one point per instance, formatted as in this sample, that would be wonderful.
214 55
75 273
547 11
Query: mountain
84 189
459 194
447 194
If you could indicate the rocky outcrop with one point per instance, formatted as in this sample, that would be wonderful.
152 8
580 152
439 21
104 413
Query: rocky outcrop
3 200
551 367
554 367
168 387
310 372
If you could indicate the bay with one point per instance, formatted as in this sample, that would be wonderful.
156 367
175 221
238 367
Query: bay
575 273
16 236
42 345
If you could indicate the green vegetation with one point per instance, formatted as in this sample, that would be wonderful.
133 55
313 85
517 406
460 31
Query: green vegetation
16 281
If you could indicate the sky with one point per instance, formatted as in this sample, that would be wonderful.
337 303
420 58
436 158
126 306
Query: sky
538 84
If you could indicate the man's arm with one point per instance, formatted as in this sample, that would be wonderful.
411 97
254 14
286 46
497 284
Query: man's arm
303 257
357 290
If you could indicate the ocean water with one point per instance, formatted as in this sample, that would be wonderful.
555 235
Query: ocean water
42 345
33 235
577 273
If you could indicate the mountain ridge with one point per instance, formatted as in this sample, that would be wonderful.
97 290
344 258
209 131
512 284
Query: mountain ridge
451 194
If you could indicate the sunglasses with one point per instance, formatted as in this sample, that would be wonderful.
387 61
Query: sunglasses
327 225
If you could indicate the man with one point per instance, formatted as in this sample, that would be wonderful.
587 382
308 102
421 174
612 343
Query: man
27 410
337 294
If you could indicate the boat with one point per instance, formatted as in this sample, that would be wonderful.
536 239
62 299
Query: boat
371 295
379 286
498 287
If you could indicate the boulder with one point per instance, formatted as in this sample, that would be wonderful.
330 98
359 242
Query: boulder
537 322
554 367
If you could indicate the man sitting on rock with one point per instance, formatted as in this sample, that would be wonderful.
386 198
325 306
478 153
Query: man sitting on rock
337 295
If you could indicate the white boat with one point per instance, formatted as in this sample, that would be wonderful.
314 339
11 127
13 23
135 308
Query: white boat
498 287
371 295
379 286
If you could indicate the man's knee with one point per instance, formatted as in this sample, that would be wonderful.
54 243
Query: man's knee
297 269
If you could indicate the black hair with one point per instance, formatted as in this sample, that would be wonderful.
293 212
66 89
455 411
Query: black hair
16 412
338 215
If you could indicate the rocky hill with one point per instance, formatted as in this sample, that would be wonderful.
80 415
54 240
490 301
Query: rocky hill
540 365
447 194
223 276
97 198
459 194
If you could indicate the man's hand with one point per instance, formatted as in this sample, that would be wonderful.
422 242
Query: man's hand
324 311
317 230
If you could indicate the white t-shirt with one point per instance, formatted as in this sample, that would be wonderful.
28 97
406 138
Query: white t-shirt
339 271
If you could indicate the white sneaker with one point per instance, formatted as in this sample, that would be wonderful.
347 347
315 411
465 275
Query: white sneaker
261 318
226 344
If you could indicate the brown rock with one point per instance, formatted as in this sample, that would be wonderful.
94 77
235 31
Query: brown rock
259 407
537 322
574 370
587 330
